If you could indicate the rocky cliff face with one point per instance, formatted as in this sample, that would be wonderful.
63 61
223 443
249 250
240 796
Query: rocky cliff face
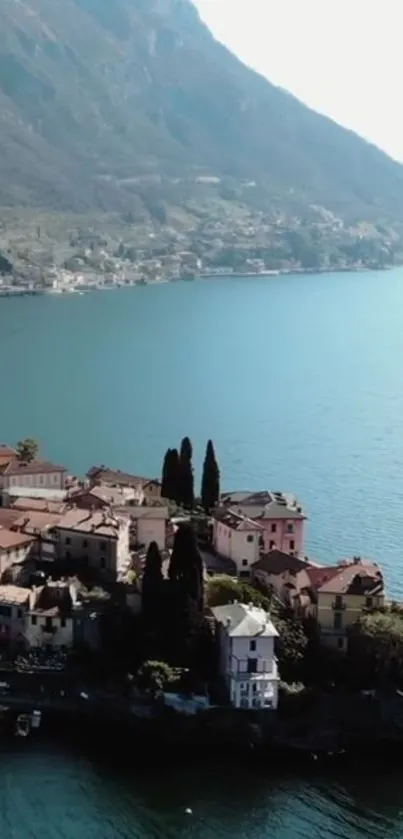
95 95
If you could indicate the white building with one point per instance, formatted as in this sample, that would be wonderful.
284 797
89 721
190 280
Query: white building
237 538
246 636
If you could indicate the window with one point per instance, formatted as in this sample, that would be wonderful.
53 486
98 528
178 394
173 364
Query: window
48 624
103 562
62 622
252 646
292 544
290 528
369 602
340 643
19 614
252 665
338 620
102 546
244 575
5 611
272 545
249 538
33 620
68 540
244 562
338 602
85 543
254 687
41 479
274 528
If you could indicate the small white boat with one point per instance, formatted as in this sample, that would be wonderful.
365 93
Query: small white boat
23 726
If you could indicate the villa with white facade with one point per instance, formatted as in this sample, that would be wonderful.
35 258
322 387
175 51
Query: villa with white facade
246 636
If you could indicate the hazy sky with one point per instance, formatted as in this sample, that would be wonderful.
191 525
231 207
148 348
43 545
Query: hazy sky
341 57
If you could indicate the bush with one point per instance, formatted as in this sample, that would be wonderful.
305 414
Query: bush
222 589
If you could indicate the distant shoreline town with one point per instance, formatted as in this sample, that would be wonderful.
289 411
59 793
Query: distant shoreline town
63 284
197 606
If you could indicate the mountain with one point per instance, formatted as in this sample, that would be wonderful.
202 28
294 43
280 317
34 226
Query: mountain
103 104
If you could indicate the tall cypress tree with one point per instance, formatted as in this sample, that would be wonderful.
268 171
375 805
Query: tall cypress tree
186 569
185 493
210 487
170 475
166 476
152 586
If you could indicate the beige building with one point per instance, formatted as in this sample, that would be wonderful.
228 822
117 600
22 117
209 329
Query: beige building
14 605
344 593
237 538
100 540
37 474
148 488
52 627
150 525
15 548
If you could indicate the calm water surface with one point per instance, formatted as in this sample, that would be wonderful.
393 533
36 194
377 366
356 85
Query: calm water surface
298 381
47 793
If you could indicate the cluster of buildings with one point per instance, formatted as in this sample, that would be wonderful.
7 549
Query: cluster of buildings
262 534
97 529
56 531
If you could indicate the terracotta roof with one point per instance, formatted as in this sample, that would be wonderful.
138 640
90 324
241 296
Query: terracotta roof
231 518
11 539
118 478
358 577
33 522
276 562
96 523
319 576
37 505
8 516
7 451
35 467
13 595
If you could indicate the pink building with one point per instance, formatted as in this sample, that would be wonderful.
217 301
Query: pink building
279 514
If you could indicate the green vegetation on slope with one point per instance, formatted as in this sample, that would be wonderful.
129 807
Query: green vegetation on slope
124 106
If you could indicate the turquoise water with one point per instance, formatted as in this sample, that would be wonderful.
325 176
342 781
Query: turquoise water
297 379
52 793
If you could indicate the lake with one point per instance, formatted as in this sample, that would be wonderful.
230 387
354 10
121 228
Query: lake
298 381
54 791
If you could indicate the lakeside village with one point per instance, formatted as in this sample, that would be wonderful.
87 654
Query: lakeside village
46 254
196 619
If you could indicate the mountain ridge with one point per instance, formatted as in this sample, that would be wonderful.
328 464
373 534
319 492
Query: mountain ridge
94 98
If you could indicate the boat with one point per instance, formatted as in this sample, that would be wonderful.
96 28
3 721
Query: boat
23 726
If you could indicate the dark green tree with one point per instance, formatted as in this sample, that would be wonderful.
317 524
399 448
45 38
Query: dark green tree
153 586
27 449
210 487
186 569
185 495
170 475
